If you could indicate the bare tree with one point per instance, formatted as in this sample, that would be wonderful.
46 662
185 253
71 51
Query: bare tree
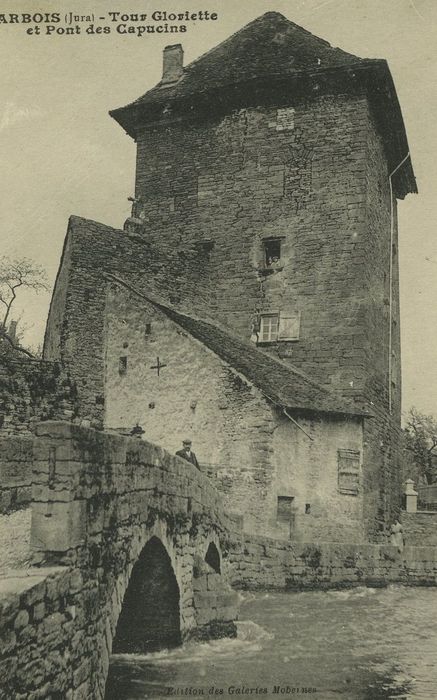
421 442
21 273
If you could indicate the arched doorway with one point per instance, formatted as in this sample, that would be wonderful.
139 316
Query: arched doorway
149 618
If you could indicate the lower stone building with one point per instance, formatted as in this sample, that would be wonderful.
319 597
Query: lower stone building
286 453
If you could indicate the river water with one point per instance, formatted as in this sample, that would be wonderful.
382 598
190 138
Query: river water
359 644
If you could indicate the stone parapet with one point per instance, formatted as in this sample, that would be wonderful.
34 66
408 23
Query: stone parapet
99 501
87 483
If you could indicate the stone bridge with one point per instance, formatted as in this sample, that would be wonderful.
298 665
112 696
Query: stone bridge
131 551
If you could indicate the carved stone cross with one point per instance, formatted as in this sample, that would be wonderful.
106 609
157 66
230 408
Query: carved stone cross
158 365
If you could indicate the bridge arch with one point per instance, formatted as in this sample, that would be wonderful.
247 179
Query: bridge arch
143 519
150 614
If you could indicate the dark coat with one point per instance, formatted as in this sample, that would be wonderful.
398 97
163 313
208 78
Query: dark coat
190 458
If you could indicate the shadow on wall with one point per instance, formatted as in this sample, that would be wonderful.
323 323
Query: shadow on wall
149 618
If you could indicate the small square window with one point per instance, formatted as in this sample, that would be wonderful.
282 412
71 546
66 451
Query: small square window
269 324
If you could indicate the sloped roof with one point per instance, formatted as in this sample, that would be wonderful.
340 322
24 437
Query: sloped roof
270 45
280 382
274 56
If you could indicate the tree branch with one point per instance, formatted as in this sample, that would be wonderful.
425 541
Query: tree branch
5 336
8 307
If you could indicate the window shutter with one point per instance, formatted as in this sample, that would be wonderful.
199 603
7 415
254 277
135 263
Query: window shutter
289 326
349 471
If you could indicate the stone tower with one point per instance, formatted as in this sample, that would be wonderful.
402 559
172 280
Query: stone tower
264 225
281 159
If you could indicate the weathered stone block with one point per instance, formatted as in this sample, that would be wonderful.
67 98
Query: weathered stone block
205 600
58 527
21 620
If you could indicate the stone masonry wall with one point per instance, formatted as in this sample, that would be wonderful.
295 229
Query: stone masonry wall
253 452
245 176
57 327
31 391
16 456
209 193
97 500
195 395
44 650
382 436
319 183
260 562
306 467
75 327
420 529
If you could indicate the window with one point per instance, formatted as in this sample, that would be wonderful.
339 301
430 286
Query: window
122 365
349 471
272 327
148 329
285 512
272 252
269 324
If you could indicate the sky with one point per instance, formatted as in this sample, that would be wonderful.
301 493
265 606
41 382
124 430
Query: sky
62 154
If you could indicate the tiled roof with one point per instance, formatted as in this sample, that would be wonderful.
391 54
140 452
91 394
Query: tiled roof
254 62
270 45
280 382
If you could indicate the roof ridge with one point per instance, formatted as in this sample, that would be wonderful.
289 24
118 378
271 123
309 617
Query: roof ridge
235 34
253 22
283 23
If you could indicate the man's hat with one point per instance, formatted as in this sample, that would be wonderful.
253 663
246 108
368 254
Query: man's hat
187 441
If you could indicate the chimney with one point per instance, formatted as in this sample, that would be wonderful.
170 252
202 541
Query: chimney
173 64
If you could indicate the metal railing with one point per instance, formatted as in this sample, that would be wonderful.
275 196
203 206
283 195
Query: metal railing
427 497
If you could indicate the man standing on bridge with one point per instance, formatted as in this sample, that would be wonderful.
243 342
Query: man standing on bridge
186 453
